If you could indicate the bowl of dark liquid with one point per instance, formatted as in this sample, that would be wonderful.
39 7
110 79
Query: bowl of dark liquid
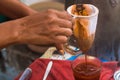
86 68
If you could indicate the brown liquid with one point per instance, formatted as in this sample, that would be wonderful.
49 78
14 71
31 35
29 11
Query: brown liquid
86 70
89 72
85 40
82 34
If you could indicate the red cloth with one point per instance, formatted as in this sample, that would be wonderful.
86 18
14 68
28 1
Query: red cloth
61 70
108 70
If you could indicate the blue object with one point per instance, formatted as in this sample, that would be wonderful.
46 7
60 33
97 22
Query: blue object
103 60
73 57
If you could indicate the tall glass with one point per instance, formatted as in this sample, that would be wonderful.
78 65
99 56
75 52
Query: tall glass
84 30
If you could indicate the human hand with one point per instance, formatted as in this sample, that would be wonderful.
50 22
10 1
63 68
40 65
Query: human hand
44 28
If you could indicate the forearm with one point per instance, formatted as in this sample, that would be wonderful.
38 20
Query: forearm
8 34
15 9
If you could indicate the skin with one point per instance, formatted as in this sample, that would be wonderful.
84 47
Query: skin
15 9
52 23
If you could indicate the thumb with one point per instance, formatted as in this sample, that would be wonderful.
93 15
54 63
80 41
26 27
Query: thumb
59 47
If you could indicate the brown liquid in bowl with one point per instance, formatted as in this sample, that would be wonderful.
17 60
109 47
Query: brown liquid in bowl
87 71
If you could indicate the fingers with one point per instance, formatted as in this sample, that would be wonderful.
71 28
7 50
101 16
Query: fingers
61 14
61 36
60 48
64 15
63 23
60 39
64 31
60 18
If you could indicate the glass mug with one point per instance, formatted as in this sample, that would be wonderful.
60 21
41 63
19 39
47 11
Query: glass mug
84 30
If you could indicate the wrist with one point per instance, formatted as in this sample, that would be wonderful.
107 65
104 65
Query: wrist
7 35
31 12
18 30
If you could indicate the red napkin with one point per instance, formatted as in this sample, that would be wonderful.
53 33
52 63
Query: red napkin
61 70
108 70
